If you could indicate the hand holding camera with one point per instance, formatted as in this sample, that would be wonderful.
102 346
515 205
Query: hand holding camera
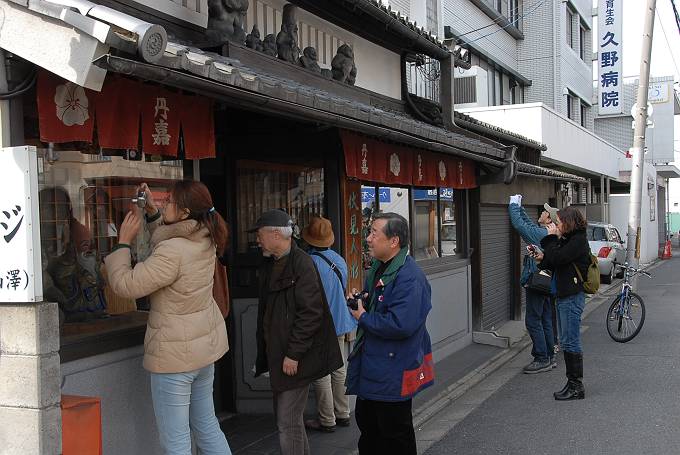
355 303
144 199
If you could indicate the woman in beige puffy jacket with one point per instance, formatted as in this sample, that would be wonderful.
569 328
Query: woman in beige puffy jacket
185 333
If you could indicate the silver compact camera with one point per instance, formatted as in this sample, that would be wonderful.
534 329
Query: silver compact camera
140 200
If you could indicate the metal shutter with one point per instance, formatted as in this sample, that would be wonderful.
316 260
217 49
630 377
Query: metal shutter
495 265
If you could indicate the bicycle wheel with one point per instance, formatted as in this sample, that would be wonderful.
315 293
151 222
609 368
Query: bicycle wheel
624 325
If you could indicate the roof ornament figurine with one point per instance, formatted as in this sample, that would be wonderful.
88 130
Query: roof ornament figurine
309 59
343 66
286 40
253 40
226 19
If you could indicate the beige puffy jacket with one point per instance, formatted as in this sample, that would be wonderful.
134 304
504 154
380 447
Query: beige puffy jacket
185 330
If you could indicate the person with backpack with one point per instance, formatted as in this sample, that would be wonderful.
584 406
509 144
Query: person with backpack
539 308
567 254
331 402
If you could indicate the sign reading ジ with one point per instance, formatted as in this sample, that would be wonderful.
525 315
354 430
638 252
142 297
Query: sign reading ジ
20 267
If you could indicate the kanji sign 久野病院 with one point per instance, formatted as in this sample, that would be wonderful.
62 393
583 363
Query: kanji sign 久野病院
610 52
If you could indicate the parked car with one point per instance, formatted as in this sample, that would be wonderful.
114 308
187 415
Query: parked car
606 243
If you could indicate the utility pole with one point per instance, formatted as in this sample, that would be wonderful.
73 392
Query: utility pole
637 174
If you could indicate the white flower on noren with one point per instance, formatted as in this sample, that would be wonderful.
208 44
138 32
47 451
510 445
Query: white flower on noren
442 171
72 104
395 165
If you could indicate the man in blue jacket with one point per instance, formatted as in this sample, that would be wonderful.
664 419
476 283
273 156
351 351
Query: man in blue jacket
392 357
538 318
331 402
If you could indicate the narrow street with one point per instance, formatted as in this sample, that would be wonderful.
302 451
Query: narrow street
631 404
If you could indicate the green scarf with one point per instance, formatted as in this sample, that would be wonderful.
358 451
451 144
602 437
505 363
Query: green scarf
387 277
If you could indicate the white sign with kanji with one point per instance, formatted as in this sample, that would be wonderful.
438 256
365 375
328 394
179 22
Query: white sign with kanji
20 266
610 55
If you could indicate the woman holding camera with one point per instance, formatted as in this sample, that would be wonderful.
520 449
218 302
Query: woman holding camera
565 249
185 333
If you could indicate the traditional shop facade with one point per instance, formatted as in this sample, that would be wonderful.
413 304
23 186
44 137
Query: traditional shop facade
262 133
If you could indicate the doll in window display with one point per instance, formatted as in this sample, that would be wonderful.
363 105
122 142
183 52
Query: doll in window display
72 266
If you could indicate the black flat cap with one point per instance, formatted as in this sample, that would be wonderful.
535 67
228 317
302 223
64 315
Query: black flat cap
272 218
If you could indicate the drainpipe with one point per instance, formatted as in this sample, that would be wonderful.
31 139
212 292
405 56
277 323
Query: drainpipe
5 124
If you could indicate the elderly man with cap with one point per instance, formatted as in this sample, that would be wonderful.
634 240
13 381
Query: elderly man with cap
539 310
296 340
332 403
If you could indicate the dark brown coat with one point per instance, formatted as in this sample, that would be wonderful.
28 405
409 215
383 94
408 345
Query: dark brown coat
300 325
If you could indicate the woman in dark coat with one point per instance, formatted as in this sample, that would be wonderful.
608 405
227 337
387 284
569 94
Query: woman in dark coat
565 249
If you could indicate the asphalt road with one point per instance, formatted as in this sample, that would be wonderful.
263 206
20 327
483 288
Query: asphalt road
632 403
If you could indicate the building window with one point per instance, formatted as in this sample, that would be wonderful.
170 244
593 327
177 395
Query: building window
570 28
432 20
570 106
515 13
584 110
297 189
447 212
425 232
582 42
83 200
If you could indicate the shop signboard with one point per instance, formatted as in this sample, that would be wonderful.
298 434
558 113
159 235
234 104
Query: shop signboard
610 53
352 196
20 267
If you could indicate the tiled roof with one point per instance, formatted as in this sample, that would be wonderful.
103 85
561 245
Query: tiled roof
494 129
412 25
525 168
232 72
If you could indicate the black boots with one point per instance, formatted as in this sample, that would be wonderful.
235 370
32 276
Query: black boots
573 389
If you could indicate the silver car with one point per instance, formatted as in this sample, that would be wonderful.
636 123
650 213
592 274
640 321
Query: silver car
606 243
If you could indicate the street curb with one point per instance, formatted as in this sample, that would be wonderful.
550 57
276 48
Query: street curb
433 406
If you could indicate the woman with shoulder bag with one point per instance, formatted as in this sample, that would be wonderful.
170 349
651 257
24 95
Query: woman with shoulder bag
185 333
564 249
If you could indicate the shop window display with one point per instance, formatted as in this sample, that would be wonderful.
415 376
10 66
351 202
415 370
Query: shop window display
447 212
425 233
297 189
83 201
369 207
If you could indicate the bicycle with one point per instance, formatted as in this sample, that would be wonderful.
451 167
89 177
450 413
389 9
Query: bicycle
622 318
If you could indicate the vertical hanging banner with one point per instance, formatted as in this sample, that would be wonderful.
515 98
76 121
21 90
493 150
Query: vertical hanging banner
160 122
351 197
20 266
610 55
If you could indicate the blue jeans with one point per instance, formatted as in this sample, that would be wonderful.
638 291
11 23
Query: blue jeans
569 311
538 320
183 404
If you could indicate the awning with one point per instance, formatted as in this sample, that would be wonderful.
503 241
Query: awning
667 171
122 112
372 160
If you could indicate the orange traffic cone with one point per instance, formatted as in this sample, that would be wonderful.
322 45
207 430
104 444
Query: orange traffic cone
667 250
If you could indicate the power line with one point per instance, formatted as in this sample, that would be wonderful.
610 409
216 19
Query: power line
525 15
670 48
677 16
498 20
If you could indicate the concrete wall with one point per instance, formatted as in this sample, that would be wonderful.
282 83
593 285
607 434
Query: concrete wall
122 384
568 143
463 17
649 246
30 418
659 140
378 69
